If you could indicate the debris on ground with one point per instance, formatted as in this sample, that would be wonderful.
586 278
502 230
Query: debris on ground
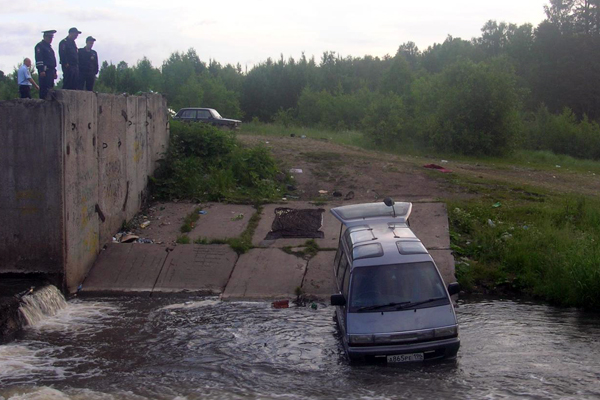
144 224
238 217
296 171
323 191
437 167
281 304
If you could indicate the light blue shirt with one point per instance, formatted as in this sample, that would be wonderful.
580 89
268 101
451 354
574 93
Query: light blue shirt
23 75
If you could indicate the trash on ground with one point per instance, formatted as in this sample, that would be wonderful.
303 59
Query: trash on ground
557 166
313 306
437 167
323 191
496 205
491 223
444 161
303 136
145 240
296 171
128 238
202 212
144 224
281 304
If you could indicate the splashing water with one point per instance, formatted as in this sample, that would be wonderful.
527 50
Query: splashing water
42 303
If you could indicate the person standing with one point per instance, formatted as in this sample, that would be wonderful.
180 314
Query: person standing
25 80
45 62
69 60
88 65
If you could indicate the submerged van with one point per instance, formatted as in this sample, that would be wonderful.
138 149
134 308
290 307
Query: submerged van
391 302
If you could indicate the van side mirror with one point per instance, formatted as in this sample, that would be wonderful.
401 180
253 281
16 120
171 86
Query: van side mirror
453 288
338 300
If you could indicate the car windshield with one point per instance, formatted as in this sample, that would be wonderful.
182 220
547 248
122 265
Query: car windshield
396 287
216 114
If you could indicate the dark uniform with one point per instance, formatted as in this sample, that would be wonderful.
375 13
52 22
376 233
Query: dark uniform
45 61
69 60
88 68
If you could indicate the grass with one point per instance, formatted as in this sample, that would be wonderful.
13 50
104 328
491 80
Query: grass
353 138
547 249
190 220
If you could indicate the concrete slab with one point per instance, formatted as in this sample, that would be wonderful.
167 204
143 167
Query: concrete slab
124 267
203 269
429 221
222 221
330 228
265 274
318 280
445 263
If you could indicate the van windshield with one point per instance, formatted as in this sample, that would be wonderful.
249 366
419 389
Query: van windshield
397 286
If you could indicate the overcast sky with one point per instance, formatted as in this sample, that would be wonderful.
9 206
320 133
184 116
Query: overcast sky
249 32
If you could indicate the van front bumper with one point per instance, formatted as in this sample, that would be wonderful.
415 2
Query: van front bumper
446 348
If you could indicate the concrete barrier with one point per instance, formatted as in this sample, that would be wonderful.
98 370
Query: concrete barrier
72 169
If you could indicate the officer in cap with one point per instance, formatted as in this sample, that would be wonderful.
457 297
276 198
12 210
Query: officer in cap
69 60
88 65
45 62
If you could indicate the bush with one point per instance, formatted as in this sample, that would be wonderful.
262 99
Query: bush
205 163
469 108
563 134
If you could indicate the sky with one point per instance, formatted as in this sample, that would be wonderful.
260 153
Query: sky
249 32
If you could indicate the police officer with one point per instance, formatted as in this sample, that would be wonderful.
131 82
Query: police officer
69 60
45 62
88 65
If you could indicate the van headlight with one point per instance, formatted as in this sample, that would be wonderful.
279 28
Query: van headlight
360 339
448 331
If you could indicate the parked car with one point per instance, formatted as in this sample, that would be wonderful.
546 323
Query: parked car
392 303
207 115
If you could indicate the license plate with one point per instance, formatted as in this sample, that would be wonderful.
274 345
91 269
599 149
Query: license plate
401 358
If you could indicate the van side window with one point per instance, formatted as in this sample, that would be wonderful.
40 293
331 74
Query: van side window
346 283
337 258
342 270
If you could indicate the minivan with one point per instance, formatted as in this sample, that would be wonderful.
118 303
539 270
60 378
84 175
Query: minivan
391 301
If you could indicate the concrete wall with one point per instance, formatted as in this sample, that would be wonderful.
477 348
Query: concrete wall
72 169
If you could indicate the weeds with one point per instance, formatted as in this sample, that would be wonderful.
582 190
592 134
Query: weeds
190 220
548 250
203 162
183 239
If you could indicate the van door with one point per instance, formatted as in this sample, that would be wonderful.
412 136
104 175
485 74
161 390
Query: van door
342 281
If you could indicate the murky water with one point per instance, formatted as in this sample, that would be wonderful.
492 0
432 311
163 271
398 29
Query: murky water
174 349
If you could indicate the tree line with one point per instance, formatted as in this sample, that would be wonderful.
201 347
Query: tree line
515 86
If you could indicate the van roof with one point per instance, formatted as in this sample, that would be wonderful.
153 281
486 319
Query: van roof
375 239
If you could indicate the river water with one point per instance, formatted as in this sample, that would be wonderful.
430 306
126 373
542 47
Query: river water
172 348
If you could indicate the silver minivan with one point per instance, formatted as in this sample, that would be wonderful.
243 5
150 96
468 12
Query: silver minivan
391 302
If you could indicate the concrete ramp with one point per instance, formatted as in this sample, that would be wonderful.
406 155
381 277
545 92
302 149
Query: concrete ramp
202 269
145 268
126 267
265 274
